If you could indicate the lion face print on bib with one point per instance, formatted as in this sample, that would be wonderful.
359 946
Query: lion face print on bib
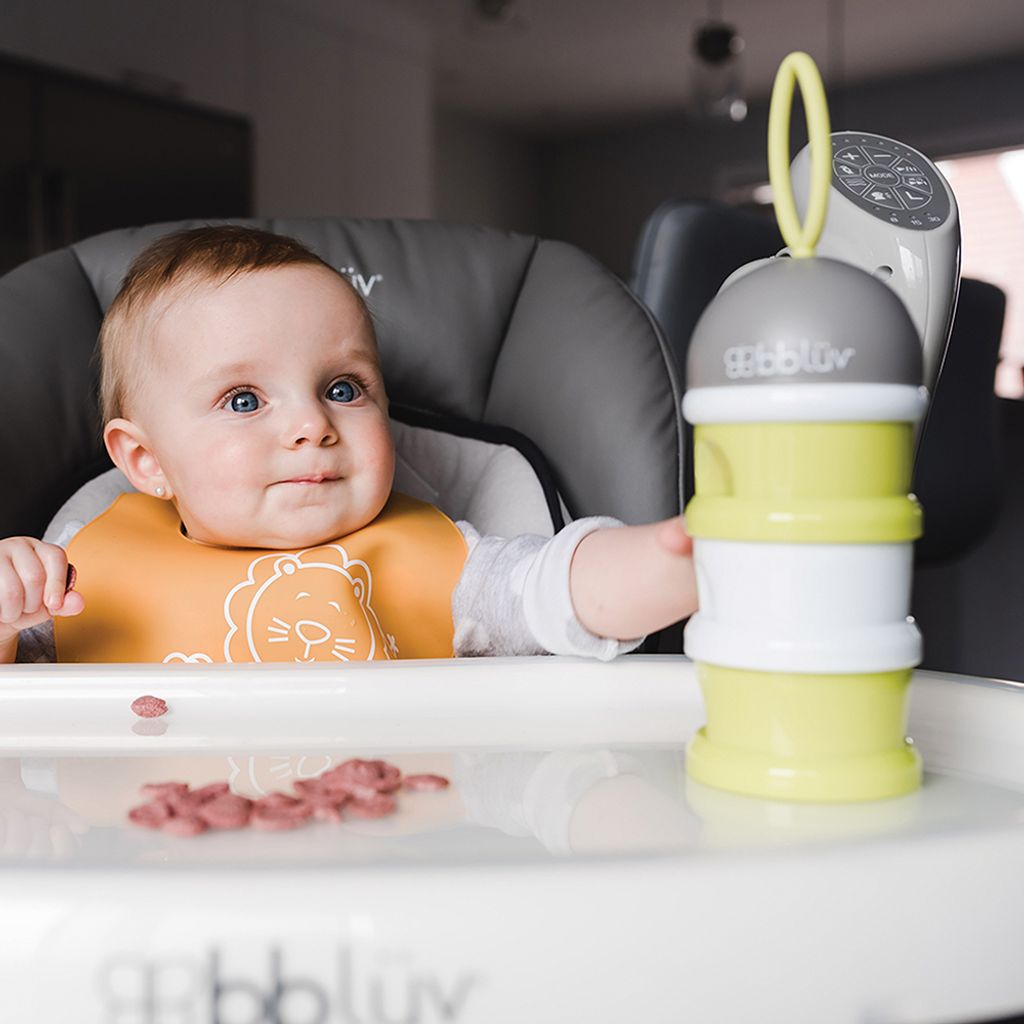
151 594
313 606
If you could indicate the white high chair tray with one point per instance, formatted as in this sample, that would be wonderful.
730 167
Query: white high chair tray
570 872
403 705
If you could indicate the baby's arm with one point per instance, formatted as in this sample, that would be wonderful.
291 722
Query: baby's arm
516 595
633 580
33 589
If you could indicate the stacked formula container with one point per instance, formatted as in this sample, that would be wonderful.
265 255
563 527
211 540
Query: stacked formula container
804 388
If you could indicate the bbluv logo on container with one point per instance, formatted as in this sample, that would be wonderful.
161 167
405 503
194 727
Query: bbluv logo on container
193 990
785 359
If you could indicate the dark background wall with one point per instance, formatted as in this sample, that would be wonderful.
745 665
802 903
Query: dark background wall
596 189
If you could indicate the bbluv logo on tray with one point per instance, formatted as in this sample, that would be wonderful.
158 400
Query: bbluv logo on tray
184 989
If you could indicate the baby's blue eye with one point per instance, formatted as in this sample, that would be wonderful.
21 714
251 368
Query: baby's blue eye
343 391
244 401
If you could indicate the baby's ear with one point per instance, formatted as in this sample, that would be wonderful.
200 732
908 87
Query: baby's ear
129 449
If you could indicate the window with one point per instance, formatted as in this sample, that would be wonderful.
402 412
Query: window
989 190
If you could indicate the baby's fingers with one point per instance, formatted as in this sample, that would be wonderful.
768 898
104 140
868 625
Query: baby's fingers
23 577
12 592
73 604
58 574
30 565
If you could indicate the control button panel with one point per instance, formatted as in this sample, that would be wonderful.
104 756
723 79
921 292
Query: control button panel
891 181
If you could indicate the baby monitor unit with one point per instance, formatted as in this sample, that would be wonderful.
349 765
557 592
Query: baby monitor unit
891 213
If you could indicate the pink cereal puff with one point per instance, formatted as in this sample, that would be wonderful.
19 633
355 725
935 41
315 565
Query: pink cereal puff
390 779
280 804
211 790
357 770
327 812
151 815
355 791
364 776
274 819
425 782
188 826
334 797
309 787
327 807
337 777
226 812
339 771
276 799
378 806
149 706
163 789
334 784
184 804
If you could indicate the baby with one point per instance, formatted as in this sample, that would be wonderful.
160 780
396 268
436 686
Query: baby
244 401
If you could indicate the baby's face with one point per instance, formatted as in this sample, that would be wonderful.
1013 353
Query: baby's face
265 407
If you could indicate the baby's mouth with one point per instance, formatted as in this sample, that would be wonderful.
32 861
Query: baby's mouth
316 478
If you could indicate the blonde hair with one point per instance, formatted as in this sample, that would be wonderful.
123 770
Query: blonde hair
204 255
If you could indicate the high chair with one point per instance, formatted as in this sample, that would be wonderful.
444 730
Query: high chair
570 872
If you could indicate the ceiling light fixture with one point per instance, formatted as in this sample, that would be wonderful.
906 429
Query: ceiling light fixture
495 10
487 15
718 84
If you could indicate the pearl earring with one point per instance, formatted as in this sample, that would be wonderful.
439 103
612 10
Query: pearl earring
159 492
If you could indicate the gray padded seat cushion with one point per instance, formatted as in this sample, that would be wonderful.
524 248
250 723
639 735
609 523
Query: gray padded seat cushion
475 323
50 439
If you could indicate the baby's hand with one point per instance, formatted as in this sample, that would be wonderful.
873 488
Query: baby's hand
34 585
630 581
672 536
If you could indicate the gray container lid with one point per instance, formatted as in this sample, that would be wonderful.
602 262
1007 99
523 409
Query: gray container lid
804 321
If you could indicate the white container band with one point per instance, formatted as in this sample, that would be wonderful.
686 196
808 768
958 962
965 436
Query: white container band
843 652
821 403
803 607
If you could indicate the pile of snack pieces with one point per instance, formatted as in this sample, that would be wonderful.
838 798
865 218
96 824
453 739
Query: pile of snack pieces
353 789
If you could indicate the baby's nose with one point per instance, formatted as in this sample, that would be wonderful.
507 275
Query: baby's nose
314 437
312 426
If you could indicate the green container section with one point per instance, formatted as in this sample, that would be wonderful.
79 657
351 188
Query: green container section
813 483
805 737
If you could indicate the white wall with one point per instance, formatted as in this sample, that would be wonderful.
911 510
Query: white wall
340 92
